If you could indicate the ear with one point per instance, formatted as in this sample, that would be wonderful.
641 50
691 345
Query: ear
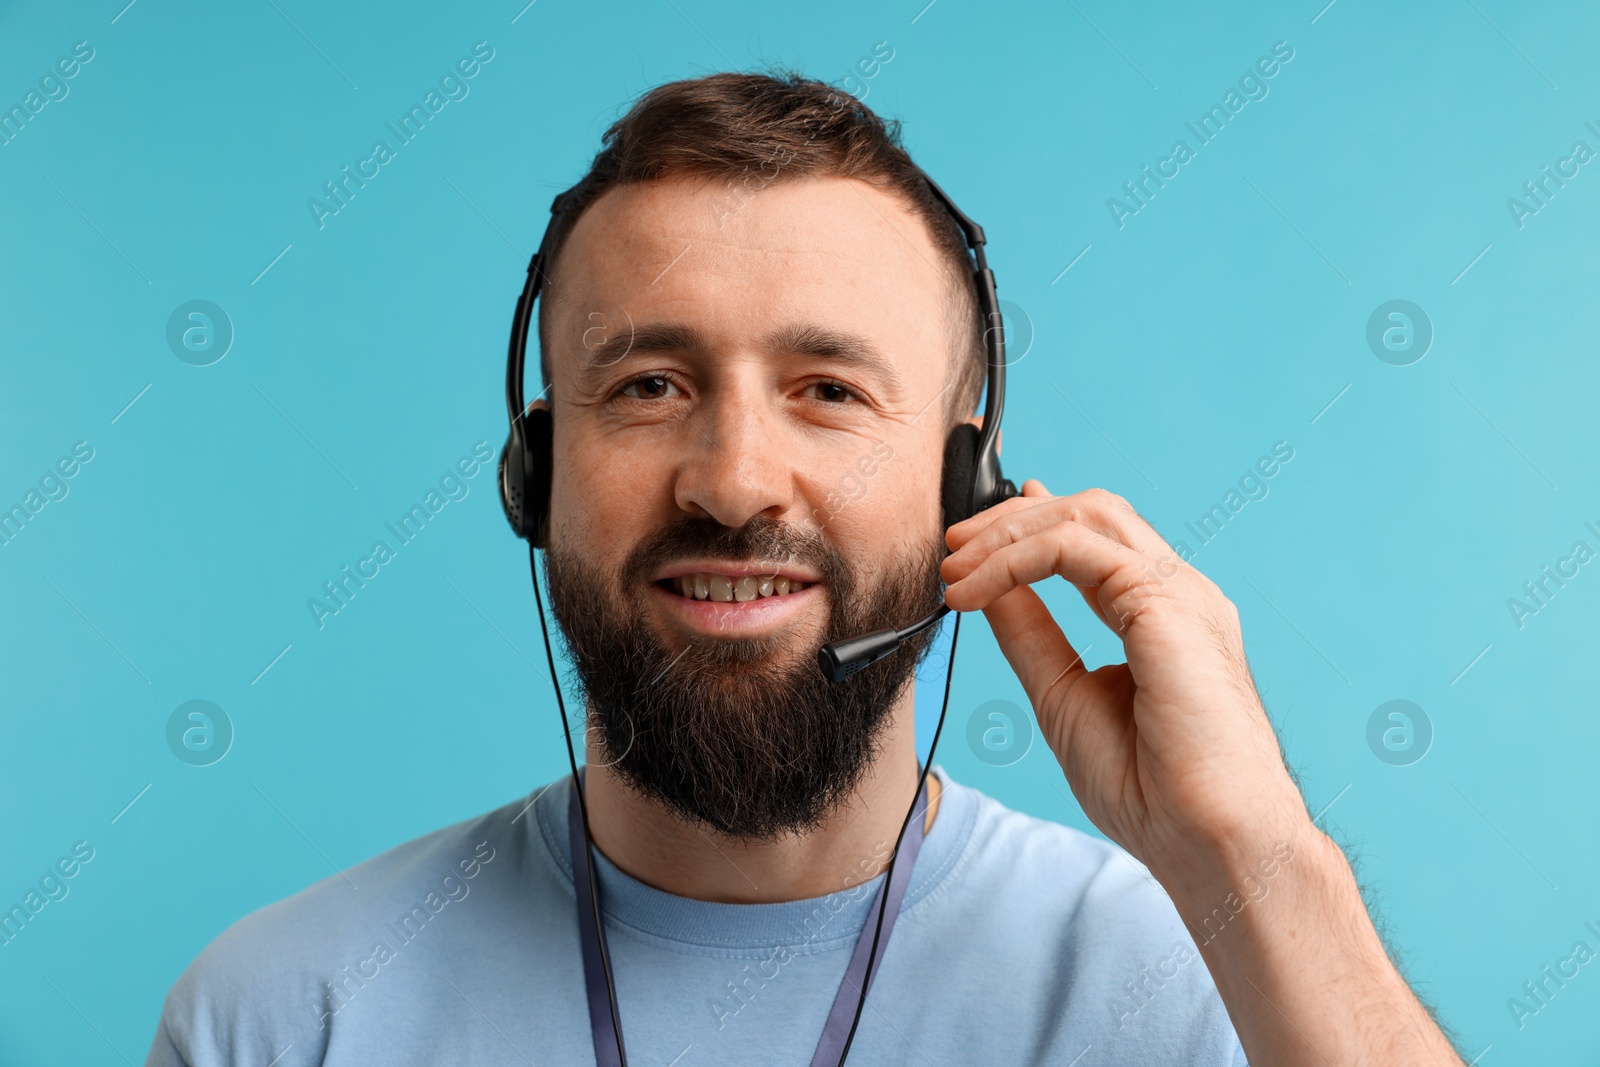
539 405
999 438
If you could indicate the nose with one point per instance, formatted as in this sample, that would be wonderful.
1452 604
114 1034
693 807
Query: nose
738 465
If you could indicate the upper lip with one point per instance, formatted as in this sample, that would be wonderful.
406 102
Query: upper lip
755 569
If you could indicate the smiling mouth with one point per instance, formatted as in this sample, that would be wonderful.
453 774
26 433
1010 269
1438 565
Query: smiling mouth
728 589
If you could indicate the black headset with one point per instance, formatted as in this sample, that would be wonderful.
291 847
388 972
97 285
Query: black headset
971 481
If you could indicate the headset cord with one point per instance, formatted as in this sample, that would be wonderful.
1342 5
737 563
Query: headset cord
888 875
594 898
583 807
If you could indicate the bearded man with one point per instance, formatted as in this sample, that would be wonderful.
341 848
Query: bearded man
745 464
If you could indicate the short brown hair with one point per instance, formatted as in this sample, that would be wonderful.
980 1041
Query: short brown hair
737 127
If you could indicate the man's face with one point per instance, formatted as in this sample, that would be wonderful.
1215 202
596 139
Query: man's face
745 398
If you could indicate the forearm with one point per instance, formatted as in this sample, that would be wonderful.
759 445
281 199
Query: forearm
1282 927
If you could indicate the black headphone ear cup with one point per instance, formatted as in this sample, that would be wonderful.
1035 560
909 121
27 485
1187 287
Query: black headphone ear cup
512 489
525 476
955 486
536 474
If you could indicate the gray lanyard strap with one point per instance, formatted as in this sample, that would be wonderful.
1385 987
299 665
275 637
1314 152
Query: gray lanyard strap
596 958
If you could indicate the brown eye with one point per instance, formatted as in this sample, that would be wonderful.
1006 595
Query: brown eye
832 392
651 387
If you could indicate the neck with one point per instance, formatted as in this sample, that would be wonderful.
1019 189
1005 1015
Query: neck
659 848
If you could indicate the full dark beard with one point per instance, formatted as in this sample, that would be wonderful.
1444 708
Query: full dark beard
742 735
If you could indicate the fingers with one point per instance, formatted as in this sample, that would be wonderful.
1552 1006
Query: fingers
1024 515
965 530
1033 643
1082 715
1083 556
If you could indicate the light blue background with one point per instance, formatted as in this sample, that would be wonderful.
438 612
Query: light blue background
1224 316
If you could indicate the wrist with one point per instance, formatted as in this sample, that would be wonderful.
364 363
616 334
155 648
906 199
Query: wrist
1214 878
1279 920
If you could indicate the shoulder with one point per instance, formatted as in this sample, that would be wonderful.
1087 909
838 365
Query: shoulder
1104 951
278 976
1072 875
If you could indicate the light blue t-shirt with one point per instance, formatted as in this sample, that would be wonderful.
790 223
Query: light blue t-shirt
1019 942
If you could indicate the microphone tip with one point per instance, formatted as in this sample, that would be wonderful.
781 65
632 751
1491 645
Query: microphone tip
838 660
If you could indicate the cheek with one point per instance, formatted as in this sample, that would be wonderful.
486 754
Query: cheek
602 501
911 478
894 505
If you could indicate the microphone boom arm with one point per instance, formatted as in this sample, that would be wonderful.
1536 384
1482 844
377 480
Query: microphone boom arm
840 659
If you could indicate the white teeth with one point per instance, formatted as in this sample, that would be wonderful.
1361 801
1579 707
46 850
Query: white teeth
728 589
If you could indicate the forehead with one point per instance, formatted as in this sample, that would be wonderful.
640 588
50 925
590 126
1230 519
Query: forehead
742 261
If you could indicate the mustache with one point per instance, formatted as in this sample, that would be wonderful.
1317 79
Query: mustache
761 539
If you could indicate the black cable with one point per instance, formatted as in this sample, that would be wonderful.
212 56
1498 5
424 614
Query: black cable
594 893
583 807
888 875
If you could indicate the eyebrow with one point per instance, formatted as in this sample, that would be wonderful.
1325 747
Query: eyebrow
803 339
